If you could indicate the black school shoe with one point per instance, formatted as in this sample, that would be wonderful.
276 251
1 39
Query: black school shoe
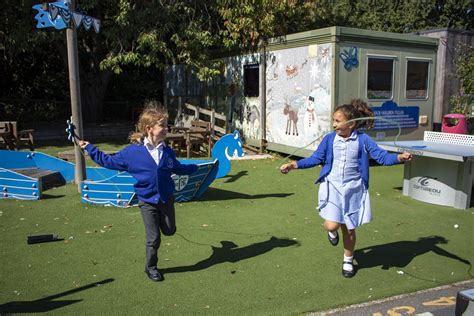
155 276
348 273
334 241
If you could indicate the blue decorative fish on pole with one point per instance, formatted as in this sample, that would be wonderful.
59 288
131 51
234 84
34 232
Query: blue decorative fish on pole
59 16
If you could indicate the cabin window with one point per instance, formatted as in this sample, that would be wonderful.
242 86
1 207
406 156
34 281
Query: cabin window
380 78
417 79
251 80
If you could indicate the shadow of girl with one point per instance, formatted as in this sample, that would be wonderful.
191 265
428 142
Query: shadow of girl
401 253
229 252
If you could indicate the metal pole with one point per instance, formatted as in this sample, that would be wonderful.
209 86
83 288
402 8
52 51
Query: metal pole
75 91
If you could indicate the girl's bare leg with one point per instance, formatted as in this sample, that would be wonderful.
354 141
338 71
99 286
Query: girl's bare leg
349 240
331 226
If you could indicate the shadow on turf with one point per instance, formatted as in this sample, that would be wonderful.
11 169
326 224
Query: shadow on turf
46 304
235 177
230 252
213 194
49 196
401 253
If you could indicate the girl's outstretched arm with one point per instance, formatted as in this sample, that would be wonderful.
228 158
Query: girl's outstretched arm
115 162
181 168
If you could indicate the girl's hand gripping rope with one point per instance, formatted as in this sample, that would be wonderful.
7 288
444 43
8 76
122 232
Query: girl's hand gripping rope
82 143
405 156
288 167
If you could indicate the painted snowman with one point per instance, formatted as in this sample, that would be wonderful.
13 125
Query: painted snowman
310 120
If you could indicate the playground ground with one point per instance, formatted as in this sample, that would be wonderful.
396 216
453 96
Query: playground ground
253 244
438 301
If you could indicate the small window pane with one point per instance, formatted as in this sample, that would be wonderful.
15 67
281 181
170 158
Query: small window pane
417 79
251 80
379 78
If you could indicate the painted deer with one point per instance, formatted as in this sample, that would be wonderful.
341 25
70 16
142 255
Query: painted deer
292 120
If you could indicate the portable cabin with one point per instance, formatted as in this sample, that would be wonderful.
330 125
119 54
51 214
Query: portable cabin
282 96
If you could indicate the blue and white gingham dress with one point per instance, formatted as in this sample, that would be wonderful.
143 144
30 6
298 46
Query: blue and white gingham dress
342 196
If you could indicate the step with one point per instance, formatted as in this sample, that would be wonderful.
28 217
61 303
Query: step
69 155
48 178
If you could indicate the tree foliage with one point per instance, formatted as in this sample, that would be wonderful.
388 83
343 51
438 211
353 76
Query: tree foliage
464 62
140 34
412 16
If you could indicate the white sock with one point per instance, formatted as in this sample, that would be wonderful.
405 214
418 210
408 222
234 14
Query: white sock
332 234
348 266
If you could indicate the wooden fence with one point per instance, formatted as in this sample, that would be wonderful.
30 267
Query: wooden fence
189 112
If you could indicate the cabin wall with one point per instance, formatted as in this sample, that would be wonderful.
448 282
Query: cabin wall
352 82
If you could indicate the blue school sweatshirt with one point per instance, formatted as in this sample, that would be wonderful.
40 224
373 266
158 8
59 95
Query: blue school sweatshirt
154 182
324 155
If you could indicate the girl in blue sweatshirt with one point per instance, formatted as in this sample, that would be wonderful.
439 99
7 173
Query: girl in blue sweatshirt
151 162
343 196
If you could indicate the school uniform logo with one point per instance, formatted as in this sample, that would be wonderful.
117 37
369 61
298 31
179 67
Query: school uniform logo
180 182
169 163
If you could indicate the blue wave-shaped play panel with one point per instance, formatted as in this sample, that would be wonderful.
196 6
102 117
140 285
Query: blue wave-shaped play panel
118 190
110 187
14 185
103 186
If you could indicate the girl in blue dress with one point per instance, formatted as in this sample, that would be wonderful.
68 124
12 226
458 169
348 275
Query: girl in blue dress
344 200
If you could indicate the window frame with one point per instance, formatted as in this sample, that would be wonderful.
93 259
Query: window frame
386 57
254 65
429 61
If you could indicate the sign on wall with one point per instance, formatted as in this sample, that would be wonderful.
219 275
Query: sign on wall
395 116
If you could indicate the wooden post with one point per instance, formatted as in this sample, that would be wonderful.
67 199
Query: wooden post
213 121
196 113
263 98
75 91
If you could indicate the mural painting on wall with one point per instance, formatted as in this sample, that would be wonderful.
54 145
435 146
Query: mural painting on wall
251 119
349 58
244 113
298 95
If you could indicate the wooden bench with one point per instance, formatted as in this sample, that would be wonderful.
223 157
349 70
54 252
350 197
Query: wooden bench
176 140
14 138
200 133
6 135
193 137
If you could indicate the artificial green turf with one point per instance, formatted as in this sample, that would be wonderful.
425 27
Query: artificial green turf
253 244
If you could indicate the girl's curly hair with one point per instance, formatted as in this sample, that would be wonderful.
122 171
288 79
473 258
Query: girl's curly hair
357 109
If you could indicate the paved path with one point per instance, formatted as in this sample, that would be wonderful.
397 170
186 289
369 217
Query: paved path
439 301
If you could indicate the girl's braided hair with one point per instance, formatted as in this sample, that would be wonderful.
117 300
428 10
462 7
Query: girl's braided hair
357 109
151 115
